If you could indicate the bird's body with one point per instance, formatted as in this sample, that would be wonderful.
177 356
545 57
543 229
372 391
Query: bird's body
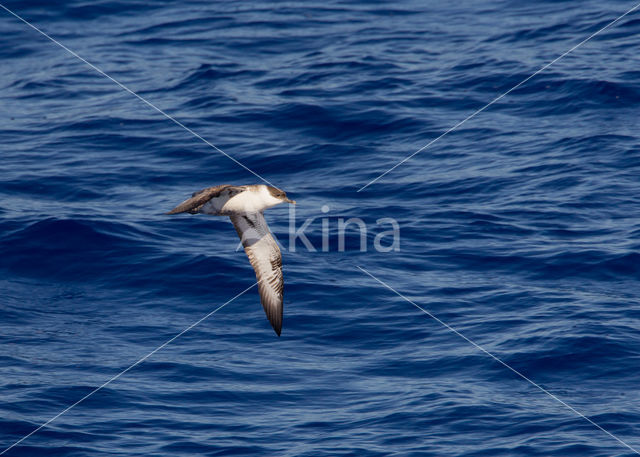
245 205
240 200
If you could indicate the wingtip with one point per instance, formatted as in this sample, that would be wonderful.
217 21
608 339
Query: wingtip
275 324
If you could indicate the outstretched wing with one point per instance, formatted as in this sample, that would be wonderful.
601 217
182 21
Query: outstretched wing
266 260
198 199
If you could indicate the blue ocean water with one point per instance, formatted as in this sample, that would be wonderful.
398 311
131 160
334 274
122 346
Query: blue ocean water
521 229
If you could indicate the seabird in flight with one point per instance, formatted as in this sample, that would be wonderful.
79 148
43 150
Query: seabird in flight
245 206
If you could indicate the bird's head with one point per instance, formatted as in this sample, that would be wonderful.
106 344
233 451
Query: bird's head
279 195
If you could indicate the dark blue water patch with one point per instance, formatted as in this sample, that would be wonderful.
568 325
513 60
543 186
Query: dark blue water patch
58 188
594 264
66 249
548 33
595 354
304 80
457 188
102 9
207 75
574 96
330 124
47 233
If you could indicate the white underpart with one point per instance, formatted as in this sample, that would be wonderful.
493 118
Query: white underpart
250 201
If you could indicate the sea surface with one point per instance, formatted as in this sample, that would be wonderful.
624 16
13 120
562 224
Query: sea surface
518 233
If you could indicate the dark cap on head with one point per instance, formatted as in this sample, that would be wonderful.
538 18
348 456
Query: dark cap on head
280 194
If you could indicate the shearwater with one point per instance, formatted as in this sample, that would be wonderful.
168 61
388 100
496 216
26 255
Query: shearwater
245 207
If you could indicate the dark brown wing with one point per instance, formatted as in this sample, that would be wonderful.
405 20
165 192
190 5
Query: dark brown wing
266 259
198 199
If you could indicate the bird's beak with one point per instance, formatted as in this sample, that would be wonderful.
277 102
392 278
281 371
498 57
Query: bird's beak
293 202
